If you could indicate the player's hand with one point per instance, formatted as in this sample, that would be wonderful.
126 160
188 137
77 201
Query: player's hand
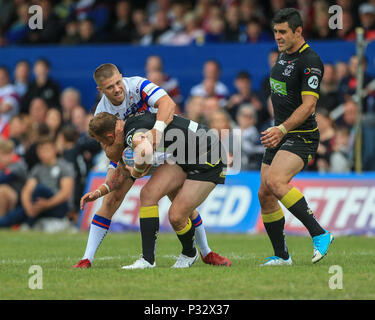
89 197
154 136
271 137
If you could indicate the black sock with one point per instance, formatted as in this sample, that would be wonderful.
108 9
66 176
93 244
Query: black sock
186 237
274 225
296 203
149 225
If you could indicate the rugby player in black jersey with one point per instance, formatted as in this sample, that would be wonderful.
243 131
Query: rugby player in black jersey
293 141
191 172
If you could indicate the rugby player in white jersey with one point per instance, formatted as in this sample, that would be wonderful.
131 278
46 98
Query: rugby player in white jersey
124 96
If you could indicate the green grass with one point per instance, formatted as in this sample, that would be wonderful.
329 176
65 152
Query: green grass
56 253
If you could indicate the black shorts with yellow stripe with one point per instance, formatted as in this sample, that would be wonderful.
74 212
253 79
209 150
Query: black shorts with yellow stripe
206 172
302 143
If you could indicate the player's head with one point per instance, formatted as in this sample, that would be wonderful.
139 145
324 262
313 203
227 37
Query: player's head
102 128
287 28
109 81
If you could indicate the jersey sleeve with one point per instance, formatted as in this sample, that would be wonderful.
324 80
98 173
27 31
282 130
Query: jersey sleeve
312 74
151 93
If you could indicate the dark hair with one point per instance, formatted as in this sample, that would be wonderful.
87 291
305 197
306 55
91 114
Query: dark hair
290 15
70 133
243 74
44 61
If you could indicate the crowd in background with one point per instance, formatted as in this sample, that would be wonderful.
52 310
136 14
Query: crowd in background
178 22
42 124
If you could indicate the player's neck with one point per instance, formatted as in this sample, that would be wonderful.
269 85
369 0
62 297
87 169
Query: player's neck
296 46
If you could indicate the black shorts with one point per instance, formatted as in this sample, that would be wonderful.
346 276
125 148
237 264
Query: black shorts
206 172
303 144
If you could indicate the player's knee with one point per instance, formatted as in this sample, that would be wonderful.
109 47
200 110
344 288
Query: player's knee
149 195
272 183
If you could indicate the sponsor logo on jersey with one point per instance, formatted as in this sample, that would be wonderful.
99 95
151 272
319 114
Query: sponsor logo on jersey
307 71
278 87
313 82
282 62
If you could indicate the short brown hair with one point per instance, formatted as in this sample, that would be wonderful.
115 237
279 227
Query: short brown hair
101 124
46 140
104 71
6 146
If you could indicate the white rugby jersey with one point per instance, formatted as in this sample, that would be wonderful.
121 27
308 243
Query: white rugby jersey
140 95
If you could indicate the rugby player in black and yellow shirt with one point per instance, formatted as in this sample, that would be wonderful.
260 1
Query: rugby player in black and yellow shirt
293 141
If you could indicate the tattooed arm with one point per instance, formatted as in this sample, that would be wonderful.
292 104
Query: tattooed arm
113 182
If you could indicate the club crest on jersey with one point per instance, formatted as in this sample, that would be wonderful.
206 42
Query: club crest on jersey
288 70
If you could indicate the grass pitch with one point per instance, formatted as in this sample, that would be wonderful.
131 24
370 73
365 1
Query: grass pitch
56 253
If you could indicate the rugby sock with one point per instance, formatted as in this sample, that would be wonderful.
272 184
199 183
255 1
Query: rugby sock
274 225
200 236
149 225
296 203
186 237
98 230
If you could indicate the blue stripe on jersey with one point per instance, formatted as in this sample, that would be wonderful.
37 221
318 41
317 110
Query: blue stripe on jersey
143 85
148 97
113 164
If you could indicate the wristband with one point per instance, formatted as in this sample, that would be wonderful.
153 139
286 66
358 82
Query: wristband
282 129
107 187
160 125
100 193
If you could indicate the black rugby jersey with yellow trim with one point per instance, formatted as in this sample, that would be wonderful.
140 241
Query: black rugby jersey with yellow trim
292 76
186 139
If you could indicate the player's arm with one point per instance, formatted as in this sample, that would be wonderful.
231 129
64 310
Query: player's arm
115 179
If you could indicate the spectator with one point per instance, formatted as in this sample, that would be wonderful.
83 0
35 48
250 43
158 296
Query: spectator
161 32
19 29
47 190
54 121
328 96
251 148
69 99
141 25
178 13
194 109
86 32
20 132
348 85
211 71
366 13
266 88
340 156
168 83
321 29
121 28
43 87
9 102
51 31
210 105
70 151
254 32
221 121
346 33
243 95
215 31
71 36
38 111
341 71
13 173
87 146
21 77
327 132
191 34
232 28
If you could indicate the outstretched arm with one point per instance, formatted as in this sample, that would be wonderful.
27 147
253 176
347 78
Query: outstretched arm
114 182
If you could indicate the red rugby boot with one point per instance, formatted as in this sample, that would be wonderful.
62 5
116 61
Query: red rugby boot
216 259
83 264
